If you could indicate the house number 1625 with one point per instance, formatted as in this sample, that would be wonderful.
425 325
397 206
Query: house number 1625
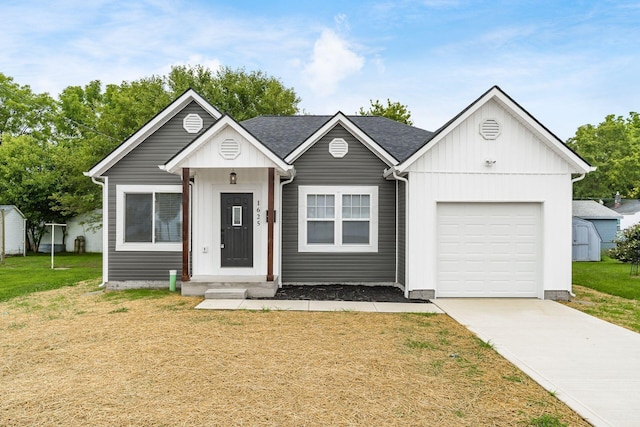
258 213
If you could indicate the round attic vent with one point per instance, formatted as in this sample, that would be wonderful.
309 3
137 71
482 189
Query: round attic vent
192 123
490 129
229 149
338 148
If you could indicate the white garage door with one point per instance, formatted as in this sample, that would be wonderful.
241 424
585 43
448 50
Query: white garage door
488 250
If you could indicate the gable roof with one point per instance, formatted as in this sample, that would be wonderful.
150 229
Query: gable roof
226 121
590 209
9 208
284 134
497 94
149 128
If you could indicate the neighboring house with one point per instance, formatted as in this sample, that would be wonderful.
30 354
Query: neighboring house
87 227
479 208
15 226
605 220
630 211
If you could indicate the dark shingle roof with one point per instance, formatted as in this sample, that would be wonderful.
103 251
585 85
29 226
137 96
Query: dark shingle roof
282 134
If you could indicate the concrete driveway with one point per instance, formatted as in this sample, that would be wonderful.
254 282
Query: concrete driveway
591 365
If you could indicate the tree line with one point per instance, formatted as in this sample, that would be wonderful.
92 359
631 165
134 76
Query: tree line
47 143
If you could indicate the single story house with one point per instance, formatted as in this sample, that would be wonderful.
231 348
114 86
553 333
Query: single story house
479 208
630 211
605 220
14 229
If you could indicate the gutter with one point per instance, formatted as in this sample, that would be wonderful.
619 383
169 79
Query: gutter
580 178
282 184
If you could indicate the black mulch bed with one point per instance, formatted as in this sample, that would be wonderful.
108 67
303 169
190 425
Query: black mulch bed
342 293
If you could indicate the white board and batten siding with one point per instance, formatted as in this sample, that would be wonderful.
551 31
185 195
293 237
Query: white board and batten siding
482 210
227 149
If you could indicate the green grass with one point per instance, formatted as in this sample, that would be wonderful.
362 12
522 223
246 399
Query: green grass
608 276
24 275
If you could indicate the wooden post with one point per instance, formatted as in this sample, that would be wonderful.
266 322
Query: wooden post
185 225
270 221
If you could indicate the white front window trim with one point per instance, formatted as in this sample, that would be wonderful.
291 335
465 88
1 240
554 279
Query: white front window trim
333 207
154 246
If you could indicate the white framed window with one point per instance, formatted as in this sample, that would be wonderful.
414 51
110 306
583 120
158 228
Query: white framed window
148 218
337 218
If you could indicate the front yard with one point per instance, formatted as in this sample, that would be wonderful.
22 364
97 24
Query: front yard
77 356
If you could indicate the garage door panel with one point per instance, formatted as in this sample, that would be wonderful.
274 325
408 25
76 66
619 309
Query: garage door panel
488 249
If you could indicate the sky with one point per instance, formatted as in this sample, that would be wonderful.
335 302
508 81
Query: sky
568 63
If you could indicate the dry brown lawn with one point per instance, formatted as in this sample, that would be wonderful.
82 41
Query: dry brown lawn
620 311
72 358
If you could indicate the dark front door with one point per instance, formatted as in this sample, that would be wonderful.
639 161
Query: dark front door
236 240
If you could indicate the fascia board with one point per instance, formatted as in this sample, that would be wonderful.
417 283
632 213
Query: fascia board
343 120
174 163
545 135
149 128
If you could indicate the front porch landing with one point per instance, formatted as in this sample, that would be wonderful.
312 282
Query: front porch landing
255 286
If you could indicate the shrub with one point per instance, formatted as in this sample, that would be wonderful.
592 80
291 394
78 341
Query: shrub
627 245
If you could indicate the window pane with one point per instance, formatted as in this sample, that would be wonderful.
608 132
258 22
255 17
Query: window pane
355 206
355 232
320 232
320 206
138 217
168 217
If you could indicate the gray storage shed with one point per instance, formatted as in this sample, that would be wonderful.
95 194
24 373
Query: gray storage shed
15 230
606 221
586 241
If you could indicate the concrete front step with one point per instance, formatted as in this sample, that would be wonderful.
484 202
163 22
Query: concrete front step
255 286
226 293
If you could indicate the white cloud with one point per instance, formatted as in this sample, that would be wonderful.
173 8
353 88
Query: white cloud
332 61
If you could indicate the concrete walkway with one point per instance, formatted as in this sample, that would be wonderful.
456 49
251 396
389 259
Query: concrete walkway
591 365
304 305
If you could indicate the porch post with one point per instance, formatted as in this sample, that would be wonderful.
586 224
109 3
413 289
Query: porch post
185 225
270 221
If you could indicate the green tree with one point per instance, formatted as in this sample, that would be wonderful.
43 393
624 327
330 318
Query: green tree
28 178
239 93
24 113
393 110
613 147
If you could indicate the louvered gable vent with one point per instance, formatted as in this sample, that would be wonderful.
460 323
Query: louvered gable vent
490 129
192 123
229 149
338 148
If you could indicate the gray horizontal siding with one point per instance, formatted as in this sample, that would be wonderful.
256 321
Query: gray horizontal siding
140 167
359 167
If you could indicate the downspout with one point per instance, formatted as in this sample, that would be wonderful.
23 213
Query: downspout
105 234
282 184
579 178
406 228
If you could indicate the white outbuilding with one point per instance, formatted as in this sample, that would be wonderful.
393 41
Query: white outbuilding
15 225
